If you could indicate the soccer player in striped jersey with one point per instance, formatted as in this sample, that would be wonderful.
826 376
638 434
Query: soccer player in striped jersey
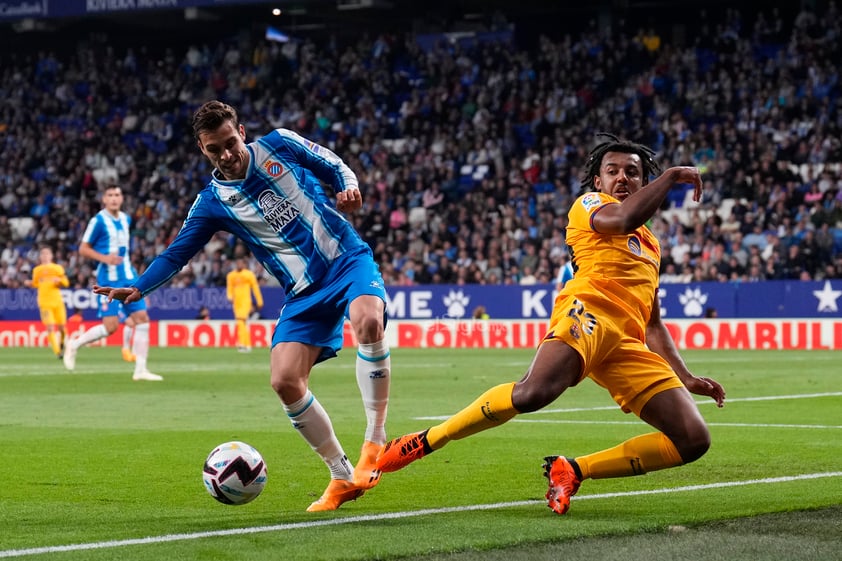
49 278
269 194
107 240
605 325
240 285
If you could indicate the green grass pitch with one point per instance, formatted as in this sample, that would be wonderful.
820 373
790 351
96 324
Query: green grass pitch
96 466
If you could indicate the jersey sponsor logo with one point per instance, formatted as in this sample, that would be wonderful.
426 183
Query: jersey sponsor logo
634 245
273 168
313 147
590 201
277 210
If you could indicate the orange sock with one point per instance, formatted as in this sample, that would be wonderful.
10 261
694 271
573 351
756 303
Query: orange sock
491 409
636 456
242 333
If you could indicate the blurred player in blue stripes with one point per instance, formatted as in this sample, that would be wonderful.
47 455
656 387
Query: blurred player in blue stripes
565 274
268 193
106 240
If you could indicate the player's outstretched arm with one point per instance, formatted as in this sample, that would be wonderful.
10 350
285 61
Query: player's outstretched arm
660 341
128 294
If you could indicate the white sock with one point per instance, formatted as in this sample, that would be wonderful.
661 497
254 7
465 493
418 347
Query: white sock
140 348
373 378
127 336
95 333
311 421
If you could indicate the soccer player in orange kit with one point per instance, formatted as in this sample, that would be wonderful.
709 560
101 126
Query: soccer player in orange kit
605 325
49 278
241 284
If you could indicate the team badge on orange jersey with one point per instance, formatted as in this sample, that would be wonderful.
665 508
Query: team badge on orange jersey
273 168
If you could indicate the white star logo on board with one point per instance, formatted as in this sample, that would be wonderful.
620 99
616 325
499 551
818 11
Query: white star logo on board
827 298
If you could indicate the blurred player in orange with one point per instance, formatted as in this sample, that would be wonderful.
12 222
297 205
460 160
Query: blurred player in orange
241 284
605 325
49 278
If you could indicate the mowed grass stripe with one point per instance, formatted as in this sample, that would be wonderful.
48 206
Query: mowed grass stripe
394 516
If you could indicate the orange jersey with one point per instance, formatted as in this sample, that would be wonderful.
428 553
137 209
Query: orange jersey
620 270
240 285
48 279
603 311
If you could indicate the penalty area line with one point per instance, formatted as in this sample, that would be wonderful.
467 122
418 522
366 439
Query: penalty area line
9 553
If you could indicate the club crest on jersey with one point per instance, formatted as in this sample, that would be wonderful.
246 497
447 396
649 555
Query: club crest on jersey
277 210
590 201
273 168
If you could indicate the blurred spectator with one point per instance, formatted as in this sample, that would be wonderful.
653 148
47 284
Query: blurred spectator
452 142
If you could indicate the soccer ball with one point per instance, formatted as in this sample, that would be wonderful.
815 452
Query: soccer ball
234 473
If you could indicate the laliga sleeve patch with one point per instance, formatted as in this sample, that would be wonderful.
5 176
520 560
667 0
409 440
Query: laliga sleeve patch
591 201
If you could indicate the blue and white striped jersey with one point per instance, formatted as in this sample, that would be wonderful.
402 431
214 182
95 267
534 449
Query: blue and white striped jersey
110 235
279 210
565 273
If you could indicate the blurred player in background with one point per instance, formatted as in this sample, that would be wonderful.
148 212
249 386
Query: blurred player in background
565 274
269 194
128 331
241 285
106 240
606 325
49 278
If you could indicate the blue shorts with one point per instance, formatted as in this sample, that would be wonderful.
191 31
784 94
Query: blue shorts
317 315
117 308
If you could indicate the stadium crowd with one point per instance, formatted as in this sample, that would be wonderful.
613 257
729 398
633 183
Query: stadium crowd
467 153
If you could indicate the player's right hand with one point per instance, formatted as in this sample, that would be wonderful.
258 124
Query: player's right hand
688 175
128 294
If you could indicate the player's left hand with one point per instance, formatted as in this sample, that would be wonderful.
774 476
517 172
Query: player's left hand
349 200
128 294
700 385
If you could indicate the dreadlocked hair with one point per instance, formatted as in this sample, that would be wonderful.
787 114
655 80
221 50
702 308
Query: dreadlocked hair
610 143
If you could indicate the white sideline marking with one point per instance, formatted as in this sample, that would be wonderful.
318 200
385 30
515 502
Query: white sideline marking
751 425
392 516
615 407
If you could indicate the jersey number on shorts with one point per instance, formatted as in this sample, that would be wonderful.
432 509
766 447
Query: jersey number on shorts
585 319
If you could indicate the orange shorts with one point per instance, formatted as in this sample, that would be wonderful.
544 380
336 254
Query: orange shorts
53 315
242 312
611 345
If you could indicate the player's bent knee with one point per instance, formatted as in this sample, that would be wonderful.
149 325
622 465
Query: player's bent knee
368 328
289 390
694 446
